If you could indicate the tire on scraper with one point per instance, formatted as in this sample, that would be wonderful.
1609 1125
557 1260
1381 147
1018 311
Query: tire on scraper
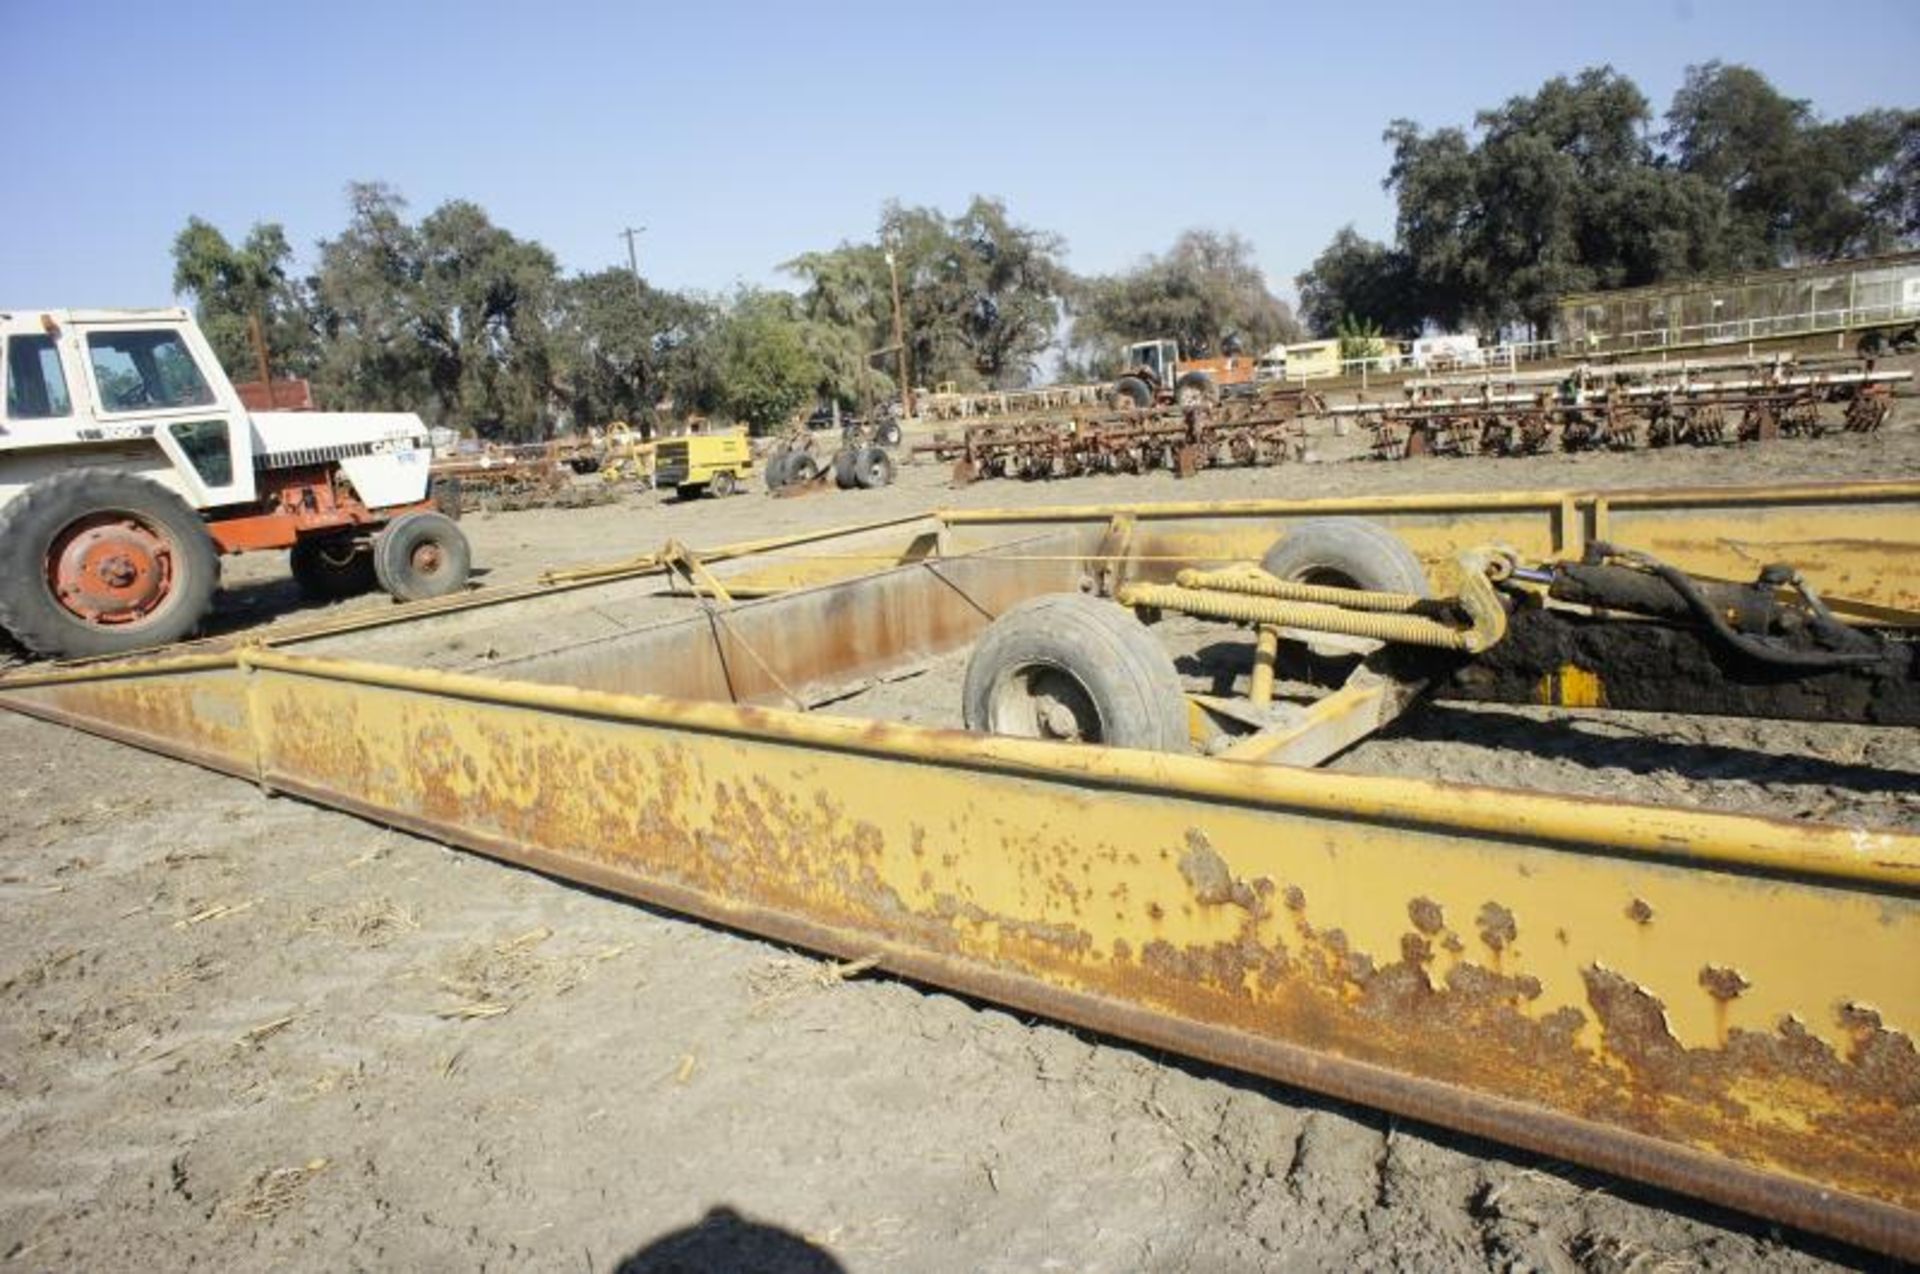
1075 668
1346 553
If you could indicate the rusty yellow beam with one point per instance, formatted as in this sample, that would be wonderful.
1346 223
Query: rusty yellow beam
1450 502
1604 982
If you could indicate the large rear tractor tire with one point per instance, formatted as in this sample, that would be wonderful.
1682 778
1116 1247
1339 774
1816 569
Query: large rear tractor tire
97 562
1346 553
1073 668
1131 391
1195 389
420 555
328 568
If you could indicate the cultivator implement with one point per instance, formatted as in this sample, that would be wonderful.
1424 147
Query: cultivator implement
1586 413
1252 429
1720 1004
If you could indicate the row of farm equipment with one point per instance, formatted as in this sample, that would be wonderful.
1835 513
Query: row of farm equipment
1582 413
1605 408
1613 408
715 462
1263 428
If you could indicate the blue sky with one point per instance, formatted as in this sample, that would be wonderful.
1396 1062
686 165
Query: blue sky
743 134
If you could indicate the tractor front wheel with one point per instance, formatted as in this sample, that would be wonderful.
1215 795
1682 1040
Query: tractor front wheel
421 554
98 562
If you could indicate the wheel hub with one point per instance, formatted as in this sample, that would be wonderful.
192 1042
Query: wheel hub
1045 703
110 568
426 558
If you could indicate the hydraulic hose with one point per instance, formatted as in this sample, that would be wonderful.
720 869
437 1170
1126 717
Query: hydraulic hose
1753 647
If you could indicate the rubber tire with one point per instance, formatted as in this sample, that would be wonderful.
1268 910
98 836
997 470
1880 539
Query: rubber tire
323 581
801 468
888 434
1350 552
1134 388
1199 381
843 475
393 552
776 469
872 468
723 484
31 521
1125 672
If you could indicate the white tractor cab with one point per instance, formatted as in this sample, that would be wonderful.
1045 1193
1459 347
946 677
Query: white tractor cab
128 464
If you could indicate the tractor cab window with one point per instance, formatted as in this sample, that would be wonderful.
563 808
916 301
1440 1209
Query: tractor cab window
36 387
146 371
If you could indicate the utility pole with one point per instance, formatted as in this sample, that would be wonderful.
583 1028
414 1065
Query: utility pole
257 334
633 258
900 342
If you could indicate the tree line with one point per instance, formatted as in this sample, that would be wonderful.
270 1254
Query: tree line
461 320
1568 189
1574 188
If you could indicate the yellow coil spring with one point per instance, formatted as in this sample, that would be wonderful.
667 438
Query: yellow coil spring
1242 609
1255 583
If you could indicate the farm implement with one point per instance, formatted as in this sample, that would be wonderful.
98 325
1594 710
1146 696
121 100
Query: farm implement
1135 834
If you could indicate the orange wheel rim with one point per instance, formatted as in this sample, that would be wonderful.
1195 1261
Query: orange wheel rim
111 568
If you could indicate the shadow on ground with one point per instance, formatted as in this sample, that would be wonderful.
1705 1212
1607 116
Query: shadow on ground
725 1240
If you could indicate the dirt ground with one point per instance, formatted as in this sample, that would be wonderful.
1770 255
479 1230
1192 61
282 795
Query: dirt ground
245 1032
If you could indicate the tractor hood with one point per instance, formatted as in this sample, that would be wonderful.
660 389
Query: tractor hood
286 438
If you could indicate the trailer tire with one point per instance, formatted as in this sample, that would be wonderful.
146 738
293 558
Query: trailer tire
888 434
1346 553
776 469
78 526
421 554
801 469
723 484
329 567
1074 668
872 468
1131 391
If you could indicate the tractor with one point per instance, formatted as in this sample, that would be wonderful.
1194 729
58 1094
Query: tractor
129 464
1156 376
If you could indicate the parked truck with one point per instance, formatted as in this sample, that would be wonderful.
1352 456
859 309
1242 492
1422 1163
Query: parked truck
129 464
